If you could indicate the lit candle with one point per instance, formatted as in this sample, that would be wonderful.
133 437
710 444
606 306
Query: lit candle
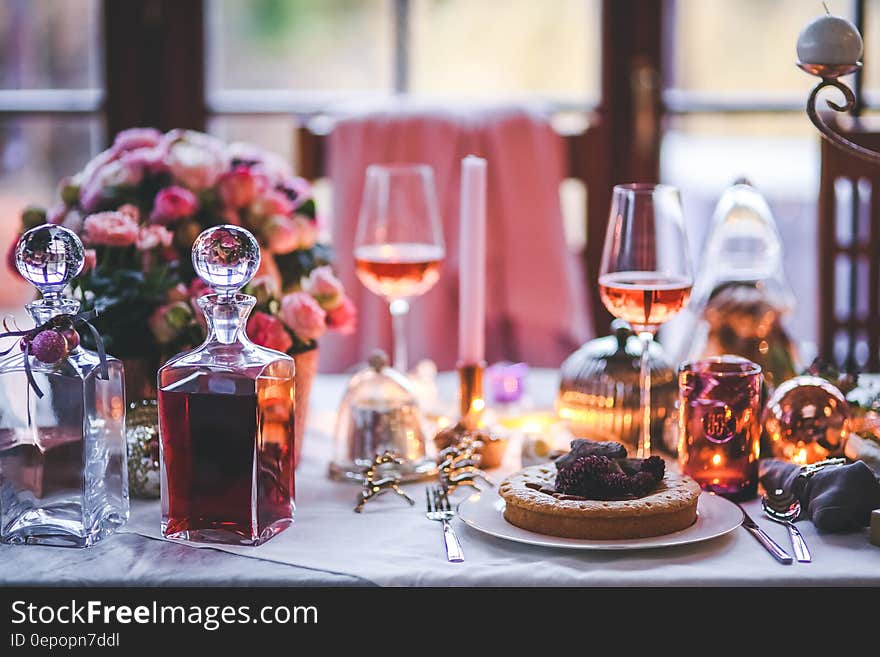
829 40
472 262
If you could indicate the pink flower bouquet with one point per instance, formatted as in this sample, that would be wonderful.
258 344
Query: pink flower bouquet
139 205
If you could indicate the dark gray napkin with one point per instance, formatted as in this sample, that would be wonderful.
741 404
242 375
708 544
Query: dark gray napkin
836 499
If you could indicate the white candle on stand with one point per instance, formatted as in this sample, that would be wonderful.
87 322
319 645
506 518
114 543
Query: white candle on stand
472 262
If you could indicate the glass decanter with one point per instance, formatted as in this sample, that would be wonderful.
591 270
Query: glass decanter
63 474
226 413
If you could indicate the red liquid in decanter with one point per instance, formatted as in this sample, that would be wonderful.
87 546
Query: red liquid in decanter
227 455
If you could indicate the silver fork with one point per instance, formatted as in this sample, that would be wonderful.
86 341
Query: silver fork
439 509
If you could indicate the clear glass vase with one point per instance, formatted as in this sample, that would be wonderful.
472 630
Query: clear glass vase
226 414
63 474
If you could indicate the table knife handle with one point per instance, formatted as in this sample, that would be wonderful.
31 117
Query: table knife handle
770 545
801 551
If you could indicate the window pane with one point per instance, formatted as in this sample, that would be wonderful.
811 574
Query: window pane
300 44
779 154
486 47
748 45
50 44
35 154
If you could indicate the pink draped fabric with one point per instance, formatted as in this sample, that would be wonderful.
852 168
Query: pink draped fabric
536 304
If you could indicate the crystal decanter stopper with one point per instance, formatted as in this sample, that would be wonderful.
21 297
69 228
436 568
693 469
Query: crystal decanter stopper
63 474
226 413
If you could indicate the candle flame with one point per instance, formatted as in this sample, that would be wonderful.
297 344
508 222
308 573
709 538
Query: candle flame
716 459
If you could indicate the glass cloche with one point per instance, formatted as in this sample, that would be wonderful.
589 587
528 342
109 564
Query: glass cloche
599 393
379 412
741 293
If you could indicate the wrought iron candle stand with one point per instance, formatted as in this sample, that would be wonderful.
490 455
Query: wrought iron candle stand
830 75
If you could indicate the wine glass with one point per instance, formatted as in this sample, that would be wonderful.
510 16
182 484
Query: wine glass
398 248
645 277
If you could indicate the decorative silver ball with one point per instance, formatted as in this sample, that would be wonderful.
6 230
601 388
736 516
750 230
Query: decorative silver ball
49 257
226 257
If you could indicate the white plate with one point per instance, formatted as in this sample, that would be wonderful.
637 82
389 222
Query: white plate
715 516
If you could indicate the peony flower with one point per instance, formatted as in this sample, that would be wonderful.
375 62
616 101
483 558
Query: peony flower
194 159
270 203
239 187
110 229
168 321
153 236
343 318
308 231
112 174
281 234
148 159
302 315
324 286
267 331
133 138
172 204
90 260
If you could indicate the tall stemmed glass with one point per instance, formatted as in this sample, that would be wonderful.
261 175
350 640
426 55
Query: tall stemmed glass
398 247
645 277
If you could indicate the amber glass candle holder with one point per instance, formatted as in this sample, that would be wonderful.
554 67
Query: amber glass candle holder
719 424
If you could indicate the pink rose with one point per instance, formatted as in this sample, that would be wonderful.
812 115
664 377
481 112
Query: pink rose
281 234
270 203
267 331
90 260
194 159
239 187
343 318
152 237
110 229
302 315
132 138
173 203
324 286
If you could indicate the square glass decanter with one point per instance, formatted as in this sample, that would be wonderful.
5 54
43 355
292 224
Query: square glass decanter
226 413
63 474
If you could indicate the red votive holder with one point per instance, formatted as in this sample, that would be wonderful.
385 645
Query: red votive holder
719 429
507 381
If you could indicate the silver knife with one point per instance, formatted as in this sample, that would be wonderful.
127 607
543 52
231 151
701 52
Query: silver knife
761 536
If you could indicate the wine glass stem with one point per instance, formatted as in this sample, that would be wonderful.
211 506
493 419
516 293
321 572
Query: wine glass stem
644 447
399 309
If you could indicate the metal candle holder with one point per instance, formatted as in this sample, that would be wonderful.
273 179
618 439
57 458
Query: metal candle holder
830 77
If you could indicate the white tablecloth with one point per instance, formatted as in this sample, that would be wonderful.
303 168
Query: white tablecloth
393 544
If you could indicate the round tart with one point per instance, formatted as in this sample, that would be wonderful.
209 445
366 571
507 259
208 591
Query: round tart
672 506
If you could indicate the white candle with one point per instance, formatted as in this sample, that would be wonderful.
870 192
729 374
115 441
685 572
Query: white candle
472 262
829 40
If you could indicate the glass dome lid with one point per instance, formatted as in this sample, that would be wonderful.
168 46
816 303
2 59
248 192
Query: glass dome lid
743 246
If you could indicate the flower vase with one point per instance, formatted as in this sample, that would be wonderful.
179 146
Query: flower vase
306 368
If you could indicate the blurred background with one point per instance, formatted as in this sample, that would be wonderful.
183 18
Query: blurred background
695 93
